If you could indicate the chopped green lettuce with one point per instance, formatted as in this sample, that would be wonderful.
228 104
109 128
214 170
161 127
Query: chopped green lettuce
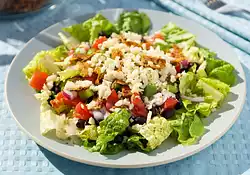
217 84
210 91
44 62
88 133
115 124
69 42
187 83
201 72
155 132
224 74
190 130
213 63
90 29
204 109
221 70
69 73
135 21
137 142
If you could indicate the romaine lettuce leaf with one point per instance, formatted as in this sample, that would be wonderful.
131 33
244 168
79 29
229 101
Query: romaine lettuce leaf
204 109
90 29
69 42
59 53
224 73
210 91
137 142
44 62
69 73
88 133
213 63
196 129
155 132
217 84
191 129
134 22
187 83
116 123
201 72
221 70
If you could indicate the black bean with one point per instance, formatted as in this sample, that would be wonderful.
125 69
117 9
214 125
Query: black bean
56 89
140 120
118 139
167 113
102 33
137 120
81 123
97 122
155 111
178 105
178 96
144 142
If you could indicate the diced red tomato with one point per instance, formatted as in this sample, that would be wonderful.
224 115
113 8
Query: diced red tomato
92 78
98 41
178 68
139 109
170 103
61 100
82 112
70 102
111 100
159 36
38 79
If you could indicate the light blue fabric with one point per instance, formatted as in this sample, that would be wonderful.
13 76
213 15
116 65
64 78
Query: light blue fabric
236 32
20 155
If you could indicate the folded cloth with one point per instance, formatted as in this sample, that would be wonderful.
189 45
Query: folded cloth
235 32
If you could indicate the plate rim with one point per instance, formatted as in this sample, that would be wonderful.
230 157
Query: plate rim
111 165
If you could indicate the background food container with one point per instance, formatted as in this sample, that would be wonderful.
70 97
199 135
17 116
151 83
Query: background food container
15 8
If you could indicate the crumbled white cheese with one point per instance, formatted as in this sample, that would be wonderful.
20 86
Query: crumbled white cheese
158 99
172 78
91 121
90 71
92 105
149 116
50 81
112 75
124 102
130 36
104 89
77 85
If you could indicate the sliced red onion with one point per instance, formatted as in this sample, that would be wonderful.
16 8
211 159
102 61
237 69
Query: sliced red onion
193 99
98 115
185 63
106 115
103 110
69 94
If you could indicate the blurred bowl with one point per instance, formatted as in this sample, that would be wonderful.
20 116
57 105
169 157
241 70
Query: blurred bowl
21 8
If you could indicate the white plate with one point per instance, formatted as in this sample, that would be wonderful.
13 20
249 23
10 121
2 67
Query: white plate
25 108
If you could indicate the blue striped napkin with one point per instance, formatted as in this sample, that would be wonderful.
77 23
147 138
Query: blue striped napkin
232 29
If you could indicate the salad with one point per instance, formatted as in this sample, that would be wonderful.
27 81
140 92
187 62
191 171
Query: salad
115 87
